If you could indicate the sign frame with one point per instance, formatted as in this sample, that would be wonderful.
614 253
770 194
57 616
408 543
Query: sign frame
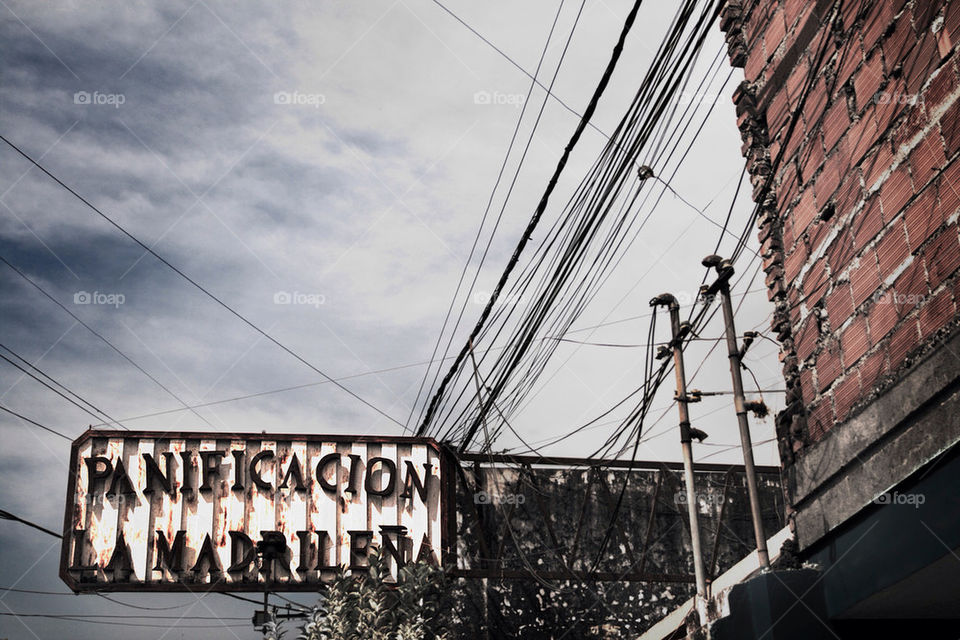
447 506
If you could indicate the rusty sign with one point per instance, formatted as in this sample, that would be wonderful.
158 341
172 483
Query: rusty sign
247 512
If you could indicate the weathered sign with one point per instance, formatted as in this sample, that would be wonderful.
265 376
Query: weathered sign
245 512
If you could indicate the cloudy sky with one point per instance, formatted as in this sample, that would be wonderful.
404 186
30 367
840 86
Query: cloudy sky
322 167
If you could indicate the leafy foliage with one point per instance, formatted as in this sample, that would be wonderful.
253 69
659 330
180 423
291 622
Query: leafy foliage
368 607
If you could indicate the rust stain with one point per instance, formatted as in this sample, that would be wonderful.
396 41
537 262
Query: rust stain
191 517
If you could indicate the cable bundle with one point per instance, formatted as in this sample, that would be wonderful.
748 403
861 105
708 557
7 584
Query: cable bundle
579 250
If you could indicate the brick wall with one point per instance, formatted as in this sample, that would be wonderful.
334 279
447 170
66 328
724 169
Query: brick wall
850 119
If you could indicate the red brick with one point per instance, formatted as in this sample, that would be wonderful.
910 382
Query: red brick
792 144
876 24
951 22
882 317
849 13
811 158
796 81
793 301
948 191
944 43
866 224
792 9
854 342
892 249
951 132
896 45
839 305
789 237
815 282
923 14
756 60
820 419
807 389
904 339
920 62
828 367
807 337
909 289
889 105
872 369
935 313
942 256
836 121
851 57
867 80
834 170
876 164
793 305
817 233
840 252
754 24
865 279
846 395
774 33
849 194
815 106
941 86
862 135
922 218
804 212
778 113
927 158
789 185
895 192
915 121
794 262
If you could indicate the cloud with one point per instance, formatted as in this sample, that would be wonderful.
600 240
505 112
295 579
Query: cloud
369 199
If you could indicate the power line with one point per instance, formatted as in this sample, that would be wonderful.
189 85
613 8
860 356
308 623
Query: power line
193 282
51 388
124 621
35 423
59 384
6 515
541 207
285 389
102 595
486 211
604 188
119 616
520 68
513 182
97 334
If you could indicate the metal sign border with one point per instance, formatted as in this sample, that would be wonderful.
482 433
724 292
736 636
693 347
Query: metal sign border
447 507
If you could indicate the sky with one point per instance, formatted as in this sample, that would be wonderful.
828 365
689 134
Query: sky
322 168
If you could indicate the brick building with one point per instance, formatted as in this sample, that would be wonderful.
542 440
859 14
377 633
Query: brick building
850 117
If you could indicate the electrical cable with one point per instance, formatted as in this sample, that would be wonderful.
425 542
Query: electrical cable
193 282
35 423
52 388
6 515
99 335
486 211
59 384
541 207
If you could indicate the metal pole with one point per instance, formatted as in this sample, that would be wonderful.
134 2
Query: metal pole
733 351
685 439
687 447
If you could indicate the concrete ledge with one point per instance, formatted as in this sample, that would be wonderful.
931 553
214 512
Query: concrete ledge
898 433
739 572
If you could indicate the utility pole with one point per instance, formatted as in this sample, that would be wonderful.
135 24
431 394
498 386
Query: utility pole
722 286
679 331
